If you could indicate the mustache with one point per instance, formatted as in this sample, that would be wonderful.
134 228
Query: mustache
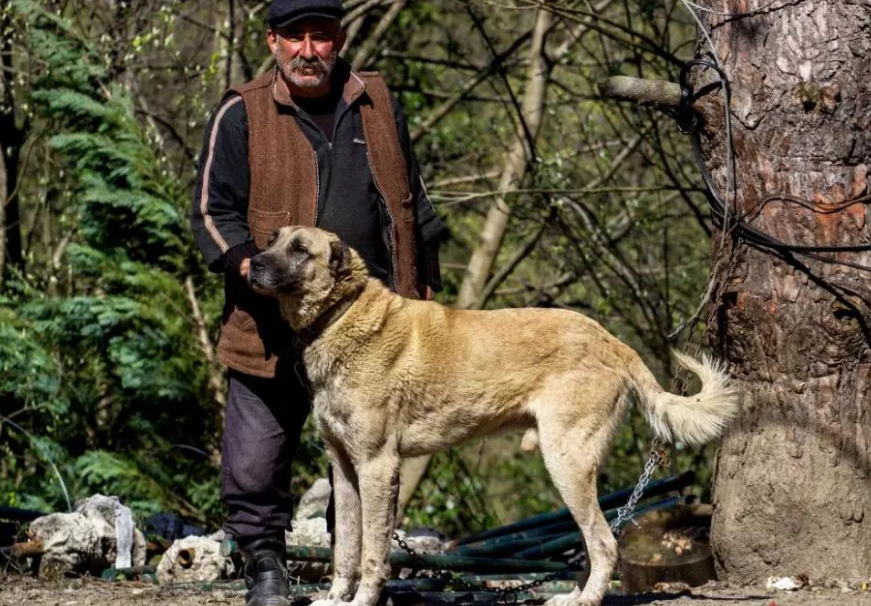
315 62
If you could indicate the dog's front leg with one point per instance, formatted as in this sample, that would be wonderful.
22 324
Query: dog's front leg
347 531
379 486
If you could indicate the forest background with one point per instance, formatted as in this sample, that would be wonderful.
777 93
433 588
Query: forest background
108 318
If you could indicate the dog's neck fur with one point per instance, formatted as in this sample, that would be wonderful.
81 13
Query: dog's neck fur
309 316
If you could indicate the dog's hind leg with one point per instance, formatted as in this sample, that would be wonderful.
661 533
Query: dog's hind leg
348 528
572 456
379 487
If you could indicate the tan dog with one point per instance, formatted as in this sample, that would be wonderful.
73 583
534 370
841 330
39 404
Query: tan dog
394 377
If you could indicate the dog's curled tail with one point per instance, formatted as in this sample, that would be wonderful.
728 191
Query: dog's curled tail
695 419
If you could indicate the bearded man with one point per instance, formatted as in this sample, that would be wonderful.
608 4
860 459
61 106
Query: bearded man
311 143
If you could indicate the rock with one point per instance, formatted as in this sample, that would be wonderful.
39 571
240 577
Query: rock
422 540
194 559
786 583
310 532
98 535
113 523
218 535
314 502
70 545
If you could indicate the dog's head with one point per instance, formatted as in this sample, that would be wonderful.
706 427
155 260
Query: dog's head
307 270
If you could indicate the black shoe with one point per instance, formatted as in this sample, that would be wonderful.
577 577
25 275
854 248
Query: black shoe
266 573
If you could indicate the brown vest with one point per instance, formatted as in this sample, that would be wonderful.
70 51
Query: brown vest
284 191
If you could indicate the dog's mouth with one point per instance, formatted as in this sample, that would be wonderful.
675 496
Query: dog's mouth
265 282
263 277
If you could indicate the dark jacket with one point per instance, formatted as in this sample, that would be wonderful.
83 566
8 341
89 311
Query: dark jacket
266 164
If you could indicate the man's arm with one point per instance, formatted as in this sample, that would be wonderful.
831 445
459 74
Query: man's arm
430 229
219 216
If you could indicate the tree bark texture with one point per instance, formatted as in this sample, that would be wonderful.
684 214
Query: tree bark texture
792 492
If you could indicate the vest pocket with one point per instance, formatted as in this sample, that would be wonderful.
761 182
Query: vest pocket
262 224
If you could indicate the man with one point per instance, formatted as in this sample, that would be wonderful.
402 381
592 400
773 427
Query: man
312 143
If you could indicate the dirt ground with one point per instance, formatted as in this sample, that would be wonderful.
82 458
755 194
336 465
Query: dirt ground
17 590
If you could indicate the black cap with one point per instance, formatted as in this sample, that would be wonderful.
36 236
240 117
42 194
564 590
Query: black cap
283 12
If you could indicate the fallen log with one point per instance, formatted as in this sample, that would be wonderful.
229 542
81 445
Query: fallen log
667 546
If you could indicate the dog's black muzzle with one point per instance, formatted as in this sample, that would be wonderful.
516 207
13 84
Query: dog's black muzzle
267 275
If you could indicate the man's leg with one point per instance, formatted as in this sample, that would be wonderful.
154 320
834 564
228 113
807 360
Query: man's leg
263 421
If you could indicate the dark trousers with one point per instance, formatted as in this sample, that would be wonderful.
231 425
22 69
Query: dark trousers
262 425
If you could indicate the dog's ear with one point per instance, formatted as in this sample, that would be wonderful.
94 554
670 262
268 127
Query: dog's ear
340 258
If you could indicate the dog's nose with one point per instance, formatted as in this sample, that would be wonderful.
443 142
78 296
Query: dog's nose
257 263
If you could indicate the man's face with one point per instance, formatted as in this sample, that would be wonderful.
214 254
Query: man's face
306 53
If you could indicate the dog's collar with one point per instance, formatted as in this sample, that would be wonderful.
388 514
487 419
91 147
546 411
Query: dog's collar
308 335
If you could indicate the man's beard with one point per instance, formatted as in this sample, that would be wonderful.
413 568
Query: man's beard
321 68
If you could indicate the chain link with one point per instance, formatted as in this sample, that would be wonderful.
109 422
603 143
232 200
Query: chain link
658 456
509 595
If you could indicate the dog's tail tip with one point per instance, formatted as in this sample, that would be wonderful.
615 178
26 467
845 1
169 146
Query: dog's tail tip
698 418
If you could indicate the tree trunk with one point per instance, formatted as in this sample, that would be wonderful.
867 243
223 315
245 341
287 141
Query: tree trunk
519 157
11 139
792 493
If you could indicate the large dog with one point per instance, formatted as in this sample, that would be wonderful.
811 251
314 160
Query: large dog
395 377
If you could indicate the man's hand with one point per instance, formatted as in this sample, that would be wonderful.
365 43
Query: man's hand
244 267
427 293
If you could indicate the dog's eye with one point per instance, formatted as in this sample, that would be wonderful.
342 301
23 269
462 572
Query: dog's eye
299 247
272 238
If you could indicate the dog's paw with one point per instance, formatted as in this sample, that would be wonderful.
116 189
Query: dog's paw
572 599
363 600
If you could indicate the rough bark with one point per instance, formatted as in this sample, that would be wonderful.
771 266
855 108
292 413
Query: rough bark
792 493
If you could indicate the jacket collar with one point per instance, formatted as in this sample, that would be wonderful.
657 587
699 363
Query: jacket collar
353 85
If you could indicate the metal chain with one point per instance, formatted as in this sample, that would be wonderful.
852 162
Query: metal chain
508 595
658 456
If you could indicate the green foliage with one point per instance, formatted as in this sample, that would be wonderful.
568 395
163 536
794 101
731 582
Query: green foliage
109 377
101 367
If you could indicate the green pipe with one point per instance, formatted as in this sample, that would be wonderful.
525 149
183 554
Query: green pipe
504 545
444 561
470 549
608 501
395 585
574 540
524 540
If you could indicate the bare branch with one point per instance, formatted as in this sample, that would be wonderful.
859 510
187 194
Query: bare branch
367 49
658 93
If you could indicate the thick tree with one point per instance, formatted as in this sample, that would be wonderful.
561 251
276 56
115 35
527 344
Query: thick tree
792 489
